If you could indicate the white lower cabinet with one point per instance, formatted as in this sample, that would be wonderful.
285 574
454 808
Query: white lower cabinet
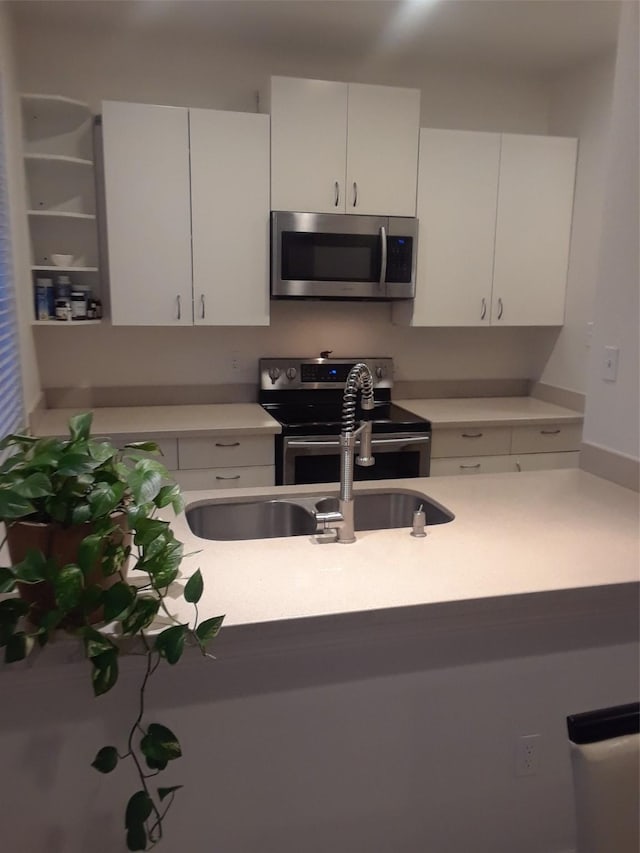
225 478
501 450
227 461
471 465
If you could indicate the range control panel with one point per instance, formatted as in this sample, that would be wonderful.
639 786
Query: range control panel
295 374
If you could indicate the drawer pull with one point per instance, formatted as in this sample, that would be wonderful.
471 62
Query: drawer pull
472 435
231 444
234 477
477 465
549 432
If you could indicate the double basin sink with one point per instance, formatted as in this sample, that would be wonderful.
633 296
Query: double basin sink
270 516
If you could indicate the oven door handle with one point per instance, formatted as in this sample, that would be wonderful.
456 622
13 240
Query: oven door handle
376 442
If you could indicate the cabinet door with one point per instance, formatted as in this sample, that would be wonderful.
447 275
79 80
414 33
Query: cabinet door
471 465
382 150
230 216
308 145
457 198
535 203
146 166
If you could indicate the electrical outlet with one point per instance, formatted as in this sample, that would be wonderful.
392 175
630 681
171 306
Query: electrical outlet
235 360
527 755
610 364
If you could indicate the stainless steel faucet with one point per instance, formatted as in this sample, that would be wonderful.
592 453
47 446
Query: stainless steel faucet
359 378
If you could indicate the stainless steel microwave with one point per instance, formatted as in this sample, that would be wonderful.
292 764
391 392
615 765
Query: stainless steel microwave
340 256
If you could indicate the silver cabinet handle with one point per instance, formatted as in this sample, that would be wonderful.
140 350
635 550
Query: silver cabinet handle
179 307
549 432
471 435
231 444
235 477
500 308
202 306
477 465
376 442
355 194
518 467
483 312
383 261
336 187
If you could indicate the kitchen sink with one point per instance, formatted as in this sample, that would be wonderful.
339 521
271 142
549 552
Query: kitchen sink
269 517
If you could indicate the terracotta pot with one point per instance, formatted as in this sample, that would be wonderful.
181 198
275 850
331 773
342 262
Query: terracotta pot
61 544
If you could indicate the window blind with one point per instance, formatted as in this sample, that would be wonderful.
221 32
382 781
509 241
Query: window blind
11 405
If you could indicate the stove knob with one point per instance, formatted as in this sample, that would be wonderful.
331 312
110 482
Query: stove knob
380 372
291 373
274 373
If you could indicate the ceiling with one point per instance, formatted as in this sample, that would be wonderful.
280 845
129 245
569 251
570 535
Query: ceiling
537 36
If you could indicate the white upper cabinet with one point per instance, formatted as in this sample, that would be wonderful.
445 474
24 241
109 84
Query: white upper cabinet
495 224
533 230
382 150
308 145
343 147
457 198
187 191
230 217
147 196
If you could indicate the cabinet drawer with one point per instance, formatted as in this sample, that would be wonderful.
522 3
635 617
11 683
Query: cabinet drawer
546 461
225 478
467 441
168 446
222 451
546 438
471 465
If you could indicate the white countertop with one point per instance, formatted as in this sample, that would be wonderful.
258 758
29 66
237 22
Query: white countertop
490 411
512 535
165 421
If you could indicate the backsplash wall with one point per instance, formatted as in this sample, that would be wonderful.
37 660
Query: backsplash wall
87 65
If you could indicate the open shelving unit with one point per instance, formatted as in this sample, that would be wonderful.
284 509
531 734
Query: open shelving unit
61 195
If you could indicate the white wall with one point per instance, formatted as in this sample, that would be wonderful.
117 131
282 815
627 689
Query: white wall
93 66
311 751
17 210
612 416
580 106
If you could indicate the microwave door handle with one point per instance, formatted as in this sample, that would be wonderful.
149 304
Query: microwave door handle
383 246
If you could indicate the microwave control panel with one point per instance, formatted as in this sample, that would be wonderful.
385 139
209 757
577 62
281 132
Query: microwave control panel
399 257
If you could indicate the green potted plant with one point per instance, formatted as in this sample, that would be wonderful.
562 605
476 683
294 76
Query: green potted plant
79 518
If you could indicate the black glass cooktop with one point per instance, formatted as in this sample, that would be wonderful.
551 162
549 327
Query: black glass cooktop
326 419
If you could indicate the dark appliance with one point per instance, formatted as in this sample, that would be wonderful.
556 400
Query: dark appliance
341 256
305 396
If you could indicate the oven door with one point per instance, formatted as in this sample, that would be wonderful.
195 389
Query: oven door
316 459
328 255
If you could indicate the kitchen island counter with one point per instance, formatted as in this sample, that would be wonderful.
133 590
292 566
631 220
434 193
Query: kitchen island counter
553 535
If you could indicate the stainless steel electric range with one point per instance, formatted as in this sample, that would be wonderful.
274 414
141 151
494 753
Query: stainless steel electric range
305 396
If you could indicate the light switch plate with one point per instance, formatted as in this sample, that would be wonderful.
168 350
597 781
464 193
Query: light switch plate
610 364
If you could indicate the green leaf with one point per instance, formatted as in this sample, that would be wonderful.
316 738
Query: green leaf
170 495
16 648
68 587
105 672
89 551
74 464
101 451
20 440
209 629
194 587
170 643
80 426
104 498
138 810
164 792
33 568
160 744
148 446
7 580
145 481
148 529
95 643
106 759
11 609
36 485
13 505
117 599
136 837
81 514
142 615
155 764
